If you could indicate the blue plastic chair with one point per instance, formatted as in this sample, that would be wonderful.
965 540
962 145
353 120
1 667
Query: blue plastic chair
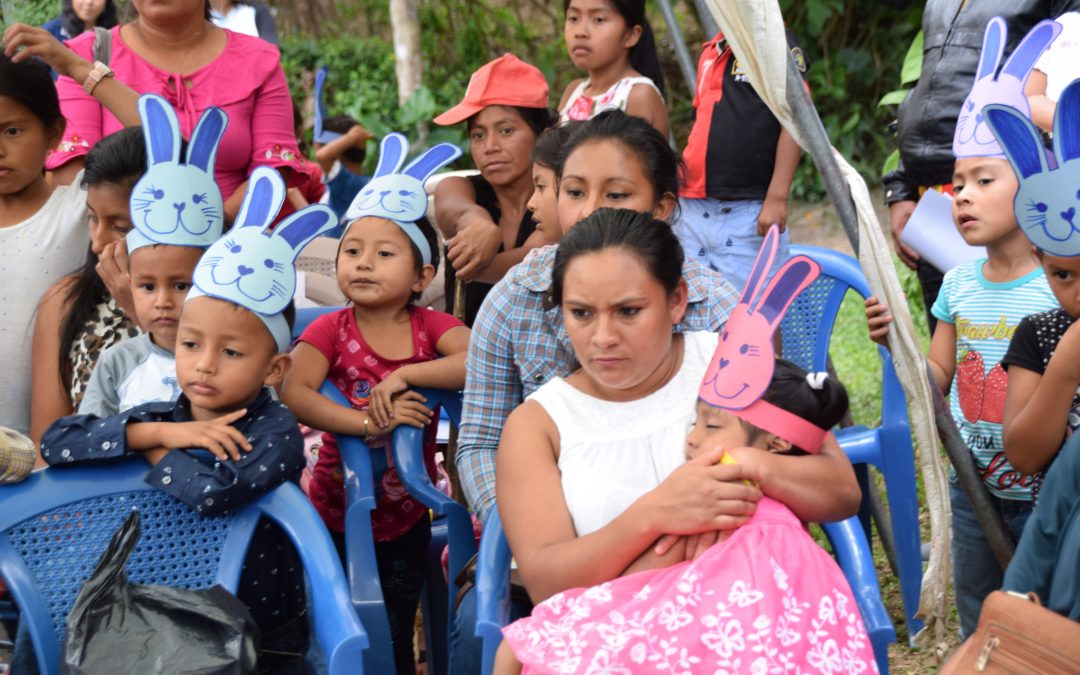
55 525
452 526
304 317
806 331
846 537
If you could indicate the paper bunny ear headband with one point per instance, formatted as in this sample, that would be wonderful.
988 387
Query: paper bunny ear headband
742 367
400 197
1047 198
321 134
177 203
973 138
254 268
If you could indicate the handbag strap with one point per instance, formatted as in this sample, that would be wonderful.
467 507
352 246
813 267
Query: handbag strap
102 45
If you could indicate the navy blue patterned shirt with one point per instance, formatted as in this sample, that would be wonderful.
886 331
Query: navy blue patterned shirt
192 475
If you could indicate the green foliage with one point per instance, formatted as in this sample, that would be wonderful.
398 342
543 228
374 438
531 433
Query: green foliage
856 53
33 12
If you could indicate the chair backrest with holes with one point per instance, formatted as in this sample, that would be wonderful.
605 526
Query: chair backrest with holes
55 526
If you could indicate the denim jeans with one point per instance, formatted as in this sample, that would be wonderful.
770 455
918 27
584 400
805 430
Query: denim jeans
722 235
466 650
976 571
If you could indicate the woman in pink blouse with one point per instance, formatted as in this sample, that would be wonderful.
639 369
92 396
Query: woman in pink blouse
172 49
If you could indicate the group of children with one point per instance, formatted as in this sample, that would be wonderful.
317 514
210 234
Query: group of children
1002 345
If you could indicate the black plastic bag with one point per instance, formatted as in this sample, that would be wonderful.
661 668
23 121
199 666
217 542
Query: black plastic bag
116 627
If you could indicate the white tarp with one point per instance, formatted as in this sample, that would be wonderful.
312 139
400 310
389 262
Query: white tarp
755 30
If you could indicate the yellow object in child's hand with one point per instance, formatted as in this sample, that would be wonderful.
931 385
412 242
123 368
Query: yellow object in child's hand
728 459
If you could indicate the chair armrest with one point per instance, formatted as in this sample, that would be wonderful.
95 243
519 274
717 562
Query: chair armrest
408 449
337 626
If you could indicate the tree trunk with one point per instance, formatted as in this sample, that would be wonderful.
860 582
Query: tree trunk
405 20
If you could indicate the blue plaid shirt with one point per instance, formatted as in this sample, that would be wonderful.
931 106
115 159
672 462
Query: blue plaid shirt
517 345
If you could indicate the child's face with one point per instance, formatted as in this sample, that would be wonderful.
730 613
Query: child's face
983 193
715 428
544 202
24 140
606 173
375 265
108 215
1063 275
597 34
160 280
224 356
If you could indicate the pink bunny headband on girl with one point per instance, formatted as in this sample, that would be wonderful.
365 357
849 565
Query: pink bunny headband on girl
742 367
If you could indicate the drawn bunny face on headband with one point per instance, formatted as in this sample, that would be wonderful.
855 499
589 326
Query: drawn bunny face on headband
178 203
973 137
1047 204
400 196
251 267
742 366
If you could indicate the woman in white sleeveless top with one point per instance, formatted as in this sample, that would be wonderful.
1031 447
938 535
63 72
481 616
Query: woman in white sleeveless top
590 471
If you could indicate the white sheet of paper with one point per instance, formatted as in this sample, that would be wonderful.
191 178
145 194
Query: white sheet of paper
933 234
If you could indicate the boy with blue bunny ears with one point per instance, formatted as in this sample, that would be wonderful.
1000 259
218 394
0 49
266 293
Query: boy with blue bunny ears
979 307
177 213
225 441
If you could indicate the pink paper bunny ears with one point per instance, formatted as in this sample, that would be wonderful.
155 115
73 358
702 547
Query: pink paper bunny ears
742 367
973 137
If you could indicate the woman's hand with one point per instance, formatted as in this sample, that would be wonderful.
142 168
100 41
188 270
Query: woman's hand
22 41
113 268
474 246
703 495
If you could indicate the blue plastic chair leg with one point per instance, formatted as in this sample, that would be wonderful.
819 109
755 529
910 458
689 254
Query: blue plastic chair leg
852 551
434 601
903 511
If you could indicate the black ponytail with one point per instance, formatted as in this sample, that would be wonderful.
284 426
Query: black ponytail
118 159
791 391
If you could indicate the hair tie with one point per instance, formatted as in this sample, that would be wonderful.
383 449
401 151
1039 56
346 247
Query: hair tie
817 380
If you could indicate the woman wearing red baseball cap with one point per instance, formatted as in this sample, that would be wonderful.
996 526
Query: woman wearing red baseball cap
484 218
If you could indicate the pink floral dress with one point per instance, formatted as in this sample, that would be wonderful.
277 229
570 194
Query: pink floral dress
766 600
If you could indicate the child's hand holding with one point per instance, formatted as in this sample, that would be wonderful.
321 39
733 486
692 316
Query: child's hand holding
878 320
407 408
217 436
381 406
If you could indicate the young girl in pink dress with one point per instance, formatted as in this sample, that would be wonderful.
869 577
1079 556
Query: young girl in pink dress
765 598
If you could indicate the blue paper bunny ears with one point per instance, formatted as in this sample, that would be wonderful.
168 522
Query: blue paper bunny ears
400 197
177 203
321 134
254 268
1047 199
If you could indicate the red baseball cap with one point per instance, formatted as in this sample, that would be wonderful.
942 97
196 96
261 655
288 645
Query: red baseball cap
505 81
